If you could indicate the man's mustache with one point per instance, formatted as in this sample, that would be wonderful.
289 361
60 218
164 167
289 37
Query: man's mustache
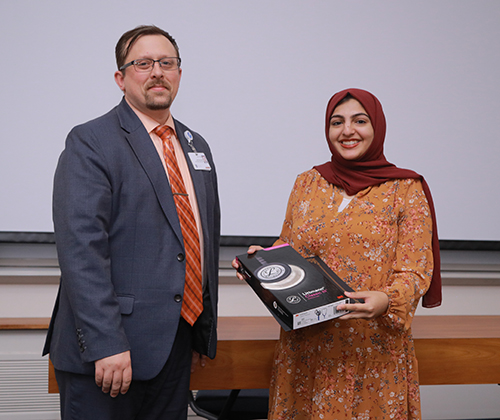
158 83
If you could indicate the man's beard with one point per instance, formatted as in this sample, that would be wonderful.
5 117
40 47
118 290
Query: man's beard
158 102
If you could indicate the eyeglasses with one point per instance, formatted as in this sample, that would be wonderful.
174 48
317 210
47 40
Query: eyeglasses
146 64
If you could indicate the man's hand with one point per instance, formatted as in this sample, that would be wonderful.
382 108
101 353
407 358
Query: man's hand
198 358
376 304
114 373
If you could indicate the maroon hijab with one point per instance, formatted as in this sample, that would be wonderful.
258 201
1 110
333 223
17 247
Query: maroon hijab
374 169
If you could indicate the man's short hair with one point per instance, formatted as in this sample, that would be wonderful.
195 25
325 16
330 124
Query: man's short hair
129 38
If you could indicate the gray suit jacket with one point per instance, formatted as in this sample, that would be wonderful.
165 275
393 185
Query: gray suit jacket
120 248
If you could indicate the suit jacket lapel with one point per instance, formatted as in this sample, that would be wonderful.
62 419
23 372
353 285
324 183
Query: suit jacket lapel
196 176
146 153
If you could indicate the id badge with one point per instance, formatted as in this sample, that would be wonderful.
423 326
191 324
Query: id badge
199 161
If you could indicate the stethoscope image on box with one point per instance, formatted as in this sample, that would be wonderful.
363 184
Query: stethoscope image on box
278 276
320 312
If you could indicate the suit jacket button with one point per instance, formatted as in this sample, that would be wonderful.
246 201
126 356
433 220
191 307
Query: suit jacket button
178 298
180 257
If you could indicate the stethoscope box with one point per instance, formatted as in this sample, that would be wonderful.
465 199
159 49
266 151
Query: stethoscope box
298 291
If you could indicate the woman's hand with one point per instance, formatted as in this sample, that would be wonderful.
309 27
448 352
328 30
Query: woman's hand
236 265
375 305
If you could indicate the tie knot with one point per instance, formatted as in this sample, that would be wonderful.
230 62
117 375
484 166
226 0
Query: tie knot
164 132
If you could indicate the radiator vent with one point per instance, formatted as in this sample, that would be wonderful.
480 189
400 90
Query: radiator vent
24 387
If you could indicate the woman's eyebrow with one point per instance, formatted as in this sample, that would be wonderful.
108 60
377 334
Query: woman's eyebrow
337 116
352 116
359 114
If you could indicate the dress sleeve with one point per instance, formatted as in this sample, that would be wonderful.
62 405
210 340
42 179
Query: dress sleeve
412 268
286 231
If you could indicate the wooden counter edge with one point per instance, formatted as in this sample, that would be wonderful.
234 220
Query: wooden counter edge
24 323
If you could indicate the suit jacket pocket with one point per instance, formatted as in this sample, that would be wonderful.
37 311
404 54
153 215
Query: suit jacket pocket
126 303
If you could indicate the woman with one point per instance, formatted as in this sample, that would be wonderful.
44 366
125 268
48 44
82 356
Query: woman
374 225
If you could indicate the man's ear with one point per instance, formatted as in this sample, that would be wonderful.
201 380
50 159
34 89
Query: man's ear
119 79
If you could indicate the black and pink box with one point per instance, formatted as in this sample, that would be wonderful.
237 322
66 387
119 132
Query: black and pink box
297 291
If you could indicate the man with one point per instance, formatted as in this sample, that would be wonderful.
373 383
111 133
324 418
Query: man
133 218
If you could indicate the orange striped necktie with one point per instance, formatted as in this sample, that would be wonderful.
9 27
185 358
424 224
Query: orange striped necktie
192 304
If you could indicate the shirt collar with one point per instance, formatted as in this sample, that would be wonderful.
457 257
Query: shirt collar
149 123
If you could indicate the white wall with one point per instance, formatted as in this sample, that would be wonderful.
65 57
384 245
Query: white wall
239 300
257 76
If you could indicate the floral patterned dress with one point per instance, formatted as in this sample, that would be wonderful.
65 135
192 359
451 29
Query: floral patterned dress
356 369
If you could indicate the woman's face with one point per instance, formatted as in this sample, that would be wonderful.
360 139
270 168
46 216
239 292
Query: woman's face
351 131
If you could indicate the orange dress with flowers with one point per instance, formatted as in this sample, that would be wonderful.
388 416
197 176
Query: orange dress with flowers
356 369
